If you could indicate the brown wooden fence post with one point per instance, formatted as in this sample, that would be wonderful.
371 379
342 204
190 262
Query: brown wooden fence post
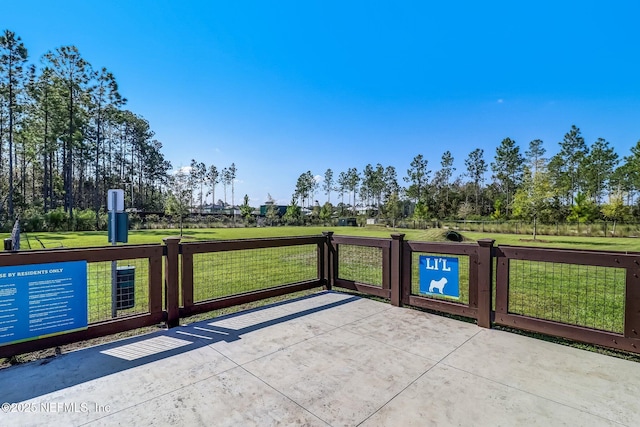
396 268
171 282
328 260
632 305
485 281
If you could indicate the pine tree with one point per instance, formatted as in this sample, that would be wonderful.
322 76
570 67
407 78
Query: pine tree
13 55
476 168
73 73
508 169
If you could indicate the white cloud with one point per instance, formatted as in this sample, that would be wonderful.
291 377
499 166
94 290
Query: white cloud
317 178
500 101
184 169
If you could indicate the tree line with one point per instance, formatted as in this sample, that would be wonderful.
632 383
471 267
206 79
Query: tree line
188 189
66 138
582 182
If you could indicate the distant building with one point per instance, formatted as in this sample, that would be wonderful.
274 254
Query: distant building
348 222
280 209
219 209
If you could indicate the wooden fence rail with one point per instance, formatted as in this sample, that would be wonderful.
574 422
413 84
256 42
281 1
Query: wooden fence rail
587 296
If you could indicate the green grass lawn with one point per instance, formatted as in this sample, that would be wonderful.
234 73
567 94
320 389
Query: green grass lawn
99 238
626 244
99 289
221 274
587 296
361 264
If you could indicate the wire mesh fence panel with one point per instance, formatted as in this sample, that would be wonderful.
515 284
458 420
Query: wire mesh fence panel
99 291
221 274
587 296
132 289
362 264
463 277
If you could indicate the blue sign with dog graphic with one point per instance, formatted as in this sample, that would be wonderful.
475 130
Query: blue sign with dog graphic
439 276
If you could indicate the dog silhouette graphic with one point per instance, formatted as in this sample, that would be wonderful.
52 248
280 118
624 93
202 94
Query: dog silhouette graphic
438 284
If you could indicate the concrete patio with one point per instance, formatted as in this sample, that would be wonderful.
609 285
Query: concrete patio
328 359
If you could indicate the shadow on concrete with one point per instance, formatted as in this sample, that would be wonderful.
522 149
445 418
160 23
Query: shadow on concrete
23 382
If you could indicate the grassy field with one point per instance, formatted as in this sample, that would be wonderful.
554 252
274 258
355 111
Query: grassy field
99 238
221 274
626 244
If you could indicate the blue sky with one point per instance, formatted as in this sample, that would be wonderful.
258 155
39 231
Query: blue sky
280 88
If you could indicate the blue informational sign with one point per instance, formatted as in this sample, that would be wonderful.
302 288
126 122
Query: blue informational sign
39 300
439 276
